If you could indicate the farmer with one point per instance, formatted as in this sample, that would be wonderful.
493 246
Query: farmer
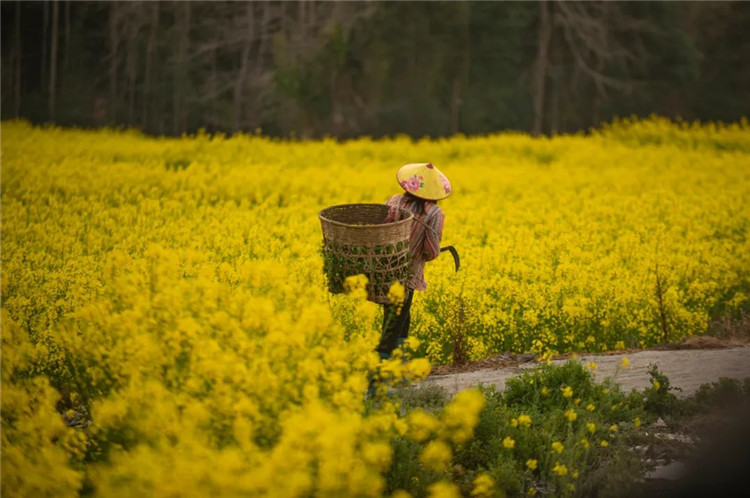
424 185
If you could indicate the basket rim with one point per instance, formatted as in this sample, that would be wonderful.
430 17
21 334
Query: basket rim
368 227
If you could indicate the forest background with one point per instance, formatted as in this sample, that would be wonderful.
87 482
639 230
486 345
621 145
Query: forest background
310 69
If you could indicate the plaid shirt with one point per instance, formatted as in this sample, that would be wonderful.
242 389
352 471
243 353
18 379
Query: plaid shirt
426 233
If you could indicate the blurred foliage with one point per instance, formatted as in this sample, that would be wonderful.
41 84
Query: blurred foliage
348 69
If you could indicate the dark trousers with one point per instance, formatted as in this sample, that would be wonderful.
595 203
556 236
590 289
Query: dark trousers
395 325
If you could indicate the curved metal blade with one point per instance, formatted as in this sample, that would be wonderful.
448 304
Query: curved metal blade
454 253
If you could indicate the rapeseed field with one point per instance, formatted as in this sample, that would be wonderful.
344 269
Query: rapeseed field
166 328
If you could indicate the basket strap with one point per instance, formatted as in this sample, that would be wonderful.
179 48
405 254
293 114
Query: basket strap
424 223
418 219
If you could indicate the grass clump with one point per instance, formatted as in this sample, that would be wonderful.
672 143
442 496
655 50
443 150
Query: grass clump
552 431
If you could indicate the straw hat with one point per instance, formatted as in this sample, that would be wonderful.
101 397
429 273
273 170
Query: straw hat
424 180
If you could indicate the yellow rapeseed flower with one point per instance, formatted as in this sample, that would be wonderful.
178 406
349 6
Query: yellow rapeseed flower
421 425
396 294
557 446
412 343
567 391
571 415
417 369
400 493
462 414
531 464
590 407
176 284
484 486
356 286
524 420
604 443
436 456
560 469
508 442
591 427
443 489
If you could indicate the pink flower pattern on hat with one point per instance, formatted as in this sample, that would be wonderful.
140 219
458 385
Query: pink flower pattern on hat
446 184
413 184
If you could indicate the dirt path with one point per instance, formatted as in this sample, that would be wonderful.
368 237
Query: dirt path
686 369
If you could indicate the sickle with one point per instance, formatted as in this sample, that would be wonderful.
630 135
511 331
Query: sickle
454 253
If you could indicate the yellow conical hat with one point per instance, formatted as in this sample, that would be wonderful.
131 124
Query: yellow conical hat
424 180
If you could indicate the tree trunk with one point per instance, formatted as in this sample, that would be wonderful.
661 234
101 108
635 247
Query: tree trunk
150 48
467 46
113 43
53 60
17 61
553 88
213 117
461 79
263 38
179 102
45 23
302 19
240 82
311 19
597 100
66 53
554 124
540 74
130 68
455 98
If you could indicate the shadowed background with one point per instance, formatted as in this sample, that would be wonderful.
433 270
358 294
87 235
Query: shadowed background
310 69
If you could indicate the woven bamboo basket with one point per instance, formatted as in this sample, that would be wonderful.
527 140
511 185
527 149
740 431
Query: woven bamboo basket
356 240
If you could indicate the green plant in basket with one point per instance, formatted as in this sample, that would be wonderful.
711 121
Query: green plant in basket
383 265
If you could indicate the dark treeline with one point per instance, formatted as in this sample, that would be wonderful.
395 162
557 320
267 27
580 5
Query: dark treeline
372 68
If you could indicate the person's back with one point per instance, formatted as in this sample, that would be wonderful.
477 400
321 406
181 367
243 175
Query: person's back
424 185
427 231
